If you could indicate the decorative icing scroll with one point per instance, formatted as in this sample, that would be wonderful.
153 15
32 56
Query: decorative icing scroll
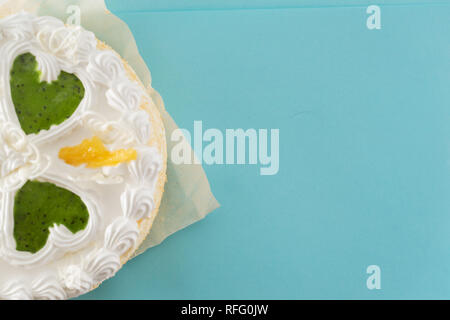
20 159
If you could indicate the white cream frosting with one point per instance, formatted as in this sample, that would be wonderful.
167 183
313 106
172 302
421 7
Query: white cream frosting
116 197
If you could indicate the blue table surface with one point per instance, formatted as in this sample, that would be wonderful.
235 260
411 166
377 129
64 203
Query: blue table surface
364 148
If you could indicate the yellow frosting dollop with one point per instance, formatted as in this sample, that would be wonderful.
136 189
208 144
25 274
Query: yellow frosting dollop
94 154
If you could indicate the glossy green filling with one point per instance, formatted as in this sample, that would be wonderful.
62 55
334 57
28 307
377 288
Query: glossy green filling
39 105
40 205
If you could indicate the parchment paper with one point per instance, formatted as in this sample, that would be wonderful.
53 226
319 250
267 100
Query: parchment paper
187 196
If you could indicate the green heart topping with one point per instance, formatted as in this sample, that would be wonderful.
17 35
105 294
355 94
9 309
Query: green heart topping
39 105
39 206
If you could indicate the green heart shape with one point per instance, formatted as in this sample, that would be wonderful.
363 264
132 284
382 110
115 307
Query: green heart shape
39 206
39 105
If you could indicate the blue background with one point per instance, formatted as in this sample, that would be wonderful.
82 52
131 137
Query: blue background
364 148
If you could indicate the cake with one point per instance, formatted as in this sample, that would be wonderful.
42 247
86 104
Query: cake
83 159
